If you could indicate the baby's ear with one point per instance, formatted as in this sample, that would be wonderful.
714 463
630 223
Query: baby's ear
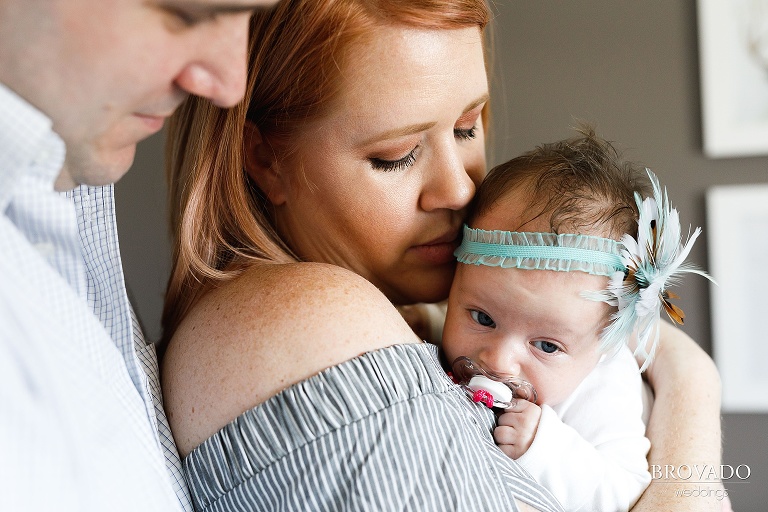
261 166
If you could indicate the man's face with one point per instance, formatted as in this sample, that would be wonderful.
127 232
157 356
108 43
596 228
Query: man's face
108 72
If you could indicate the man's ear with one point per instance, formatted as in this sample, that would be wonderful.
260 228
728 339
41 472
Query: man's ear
260 164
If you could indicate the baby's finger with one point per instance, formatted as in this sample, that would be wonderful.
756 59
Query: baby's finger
520 413
510 451
505 435
519 405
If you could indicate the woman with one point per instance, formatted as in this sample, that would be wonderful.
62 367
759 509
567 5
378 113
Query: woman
362 140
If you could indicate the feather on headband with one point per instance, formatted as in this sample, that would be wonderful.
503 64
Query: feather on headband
640 270
654 262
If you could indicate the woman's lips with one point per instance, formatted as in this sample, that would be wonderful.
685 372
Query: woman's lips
439 251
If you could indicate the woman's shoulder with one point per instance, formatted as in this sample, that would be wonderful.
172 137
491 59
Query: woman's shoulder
271 327
293 301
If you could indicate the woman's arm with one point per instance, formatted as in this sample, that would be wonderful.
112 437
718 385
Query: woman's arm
684 427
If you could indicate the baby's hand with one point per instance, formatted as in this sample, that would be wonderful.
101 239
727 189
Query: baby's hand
517 428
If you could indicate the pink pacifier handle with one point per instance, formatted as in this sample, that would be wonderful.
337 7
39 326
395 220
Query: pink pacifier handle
490 389
483 397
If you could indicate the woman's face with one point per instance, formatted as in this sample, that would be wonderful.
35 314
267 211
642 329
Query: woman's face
380 184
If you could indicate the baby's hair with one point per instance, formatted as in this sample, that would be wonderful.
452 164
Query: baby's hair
582 184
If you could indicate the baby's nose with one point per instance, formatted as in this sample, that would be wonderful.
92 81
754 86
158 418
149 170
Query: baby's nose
500 361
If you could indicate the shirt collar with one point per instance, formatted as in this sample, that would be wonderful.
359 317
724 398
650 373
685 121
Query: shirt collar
28 144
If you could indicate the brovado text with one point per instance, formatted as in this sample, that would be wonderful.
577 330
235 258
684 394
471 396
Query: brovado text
704 473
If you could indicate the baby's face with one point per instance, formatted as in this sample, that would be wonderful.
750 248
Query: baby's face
531 324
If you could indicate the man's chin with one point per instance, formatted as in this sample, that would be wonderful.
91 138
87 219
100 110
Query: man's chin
94 169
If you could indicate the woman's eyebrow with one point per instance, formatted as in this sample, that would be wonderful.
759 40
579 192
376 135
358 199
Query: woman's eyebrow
400 131
479 101
416 128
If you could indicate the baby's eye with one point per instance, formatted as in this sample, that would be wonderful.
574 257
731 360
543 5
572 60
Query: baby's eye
546 346
482 318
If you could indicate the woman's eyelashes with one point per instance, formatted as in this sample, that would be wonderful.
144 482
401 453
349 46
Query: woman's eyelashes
465 133
381 164
400 164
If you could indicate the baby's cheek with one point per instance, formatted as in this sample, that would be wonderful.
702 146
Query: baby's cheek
452 351
452 340
556 388
548 394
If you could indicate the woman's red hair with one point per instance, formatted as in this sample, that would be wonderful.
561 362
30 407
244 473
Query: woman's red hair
219 220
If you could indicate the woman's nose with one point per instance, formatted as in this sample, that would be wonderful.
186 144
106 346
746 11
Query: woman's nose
448 185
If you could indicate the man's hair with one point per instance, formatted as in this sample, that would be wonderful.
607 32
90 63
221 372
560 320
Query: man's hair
582 185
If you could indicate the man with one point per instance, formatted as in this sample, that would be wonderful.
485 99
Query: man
81 82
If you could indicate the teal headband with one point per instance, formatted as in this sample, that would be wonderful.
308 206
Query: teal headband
542 251
640 269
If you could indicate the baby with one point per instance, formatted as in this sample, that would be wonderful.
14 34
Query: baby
563 267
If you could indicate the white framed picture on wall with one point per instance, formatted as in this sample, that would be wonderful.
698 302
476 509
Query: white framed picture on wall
737 243
733 62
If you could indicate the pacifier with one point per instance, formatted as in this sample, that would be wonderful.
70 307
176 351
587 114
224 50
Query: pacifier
488 388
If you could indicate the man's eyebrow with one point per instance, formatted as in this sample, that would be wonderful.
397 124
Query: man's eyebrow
208 8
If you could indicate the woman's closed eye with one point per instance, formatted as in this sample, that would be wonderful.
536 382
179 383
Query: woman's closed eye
381 164
482 318
466 125
546 346
465 133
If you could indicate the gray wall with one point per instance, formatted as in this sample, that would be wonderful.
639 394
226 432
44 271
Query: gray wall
142 225
629 67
